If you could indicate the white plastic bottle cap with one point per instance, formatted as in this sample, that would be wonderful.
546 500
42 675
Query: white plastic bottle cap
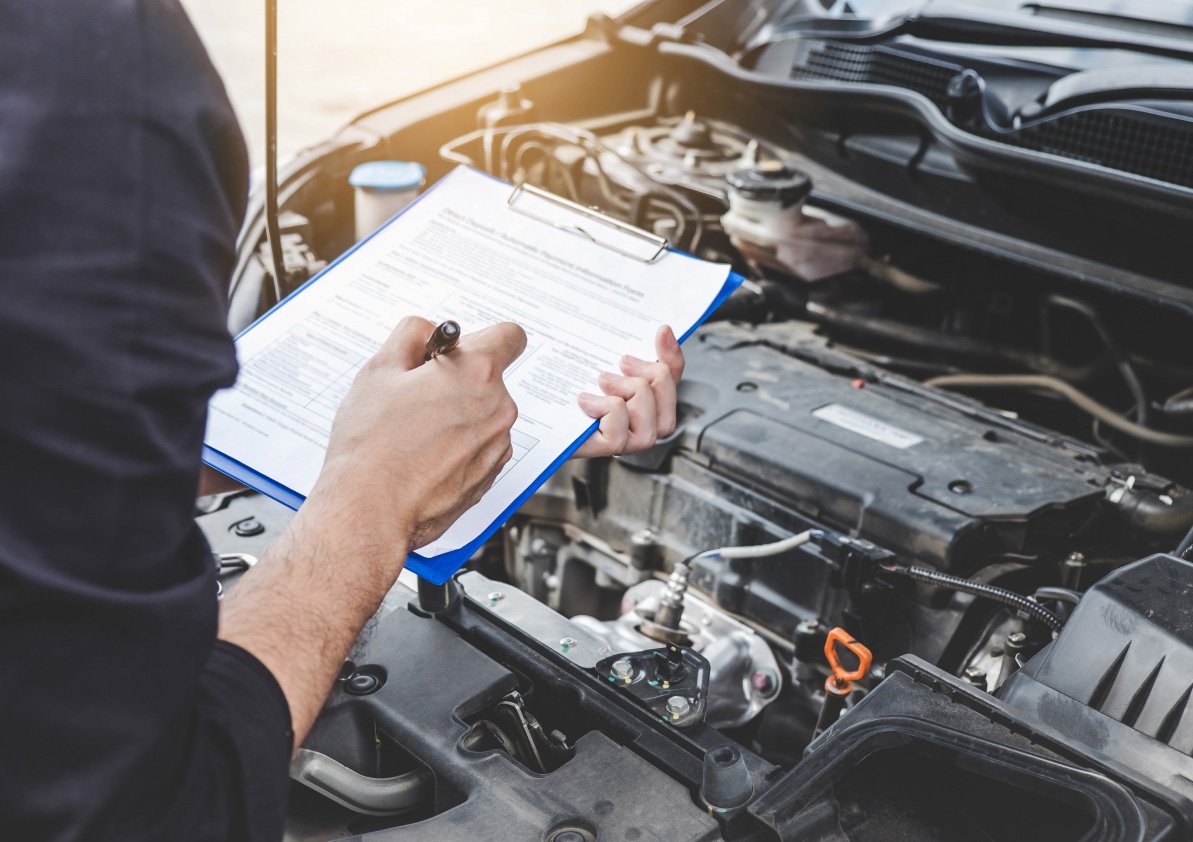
382 189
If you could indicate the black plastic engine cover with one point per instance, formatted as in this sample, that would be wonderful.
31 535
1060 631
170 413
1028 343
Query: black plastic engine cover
915 476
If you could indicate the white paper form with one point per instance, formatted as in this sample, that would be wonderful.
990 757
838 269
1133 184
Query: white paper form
458 253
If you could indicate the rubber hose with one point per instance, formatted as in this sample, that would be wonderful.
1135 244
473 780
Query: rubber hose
1146 512
1074 396
920 338
1059 595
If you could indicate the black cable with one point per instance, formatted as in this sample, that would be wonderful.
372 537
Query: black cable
1185 544
979 589
1121 359
272 231
920 338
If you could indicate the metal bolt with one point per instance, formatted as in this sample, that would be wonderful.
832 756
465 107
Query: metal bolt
644 549
567 643
1016 639
976 676
1072 570
495 597
623 668
764 682
678 706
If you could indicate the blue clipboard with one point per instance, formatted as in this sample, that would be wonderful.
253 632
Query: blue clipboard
440 568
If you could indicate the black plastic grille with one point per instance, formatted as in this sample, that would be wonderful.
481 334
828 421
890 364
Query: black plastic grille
1150 144
874 66
1158 147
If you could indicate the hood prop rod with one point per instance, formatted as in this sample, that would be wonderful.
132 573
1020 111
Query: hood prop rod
272 230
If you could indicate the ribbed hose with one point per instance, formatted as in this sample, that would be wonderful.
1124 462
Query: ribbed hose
980 589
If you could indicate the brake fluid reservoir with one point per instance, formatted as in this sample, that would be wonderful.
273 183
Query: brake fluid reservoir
769 224
382 189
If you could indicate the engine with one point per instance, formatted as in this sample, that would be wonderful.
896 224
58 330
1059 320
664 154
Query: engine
880 583
932 515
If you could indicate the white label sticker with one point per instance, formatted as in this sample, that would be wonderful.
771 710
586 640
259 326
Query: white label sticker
867 425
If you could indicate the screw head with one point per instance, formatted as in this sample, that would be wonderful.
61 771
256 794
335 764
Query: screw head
567 643
495 597
764 682
976 676
623 668
678 706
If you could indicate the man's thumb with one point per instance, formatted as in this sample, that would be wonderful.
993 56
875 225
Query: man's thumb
407 345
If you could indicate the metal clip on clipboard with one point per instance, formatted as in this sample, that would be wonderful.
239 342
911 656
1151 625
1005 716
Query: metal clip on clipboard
615 235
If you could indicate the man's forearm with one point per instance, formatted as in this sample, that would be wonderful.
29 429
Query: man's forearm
303 605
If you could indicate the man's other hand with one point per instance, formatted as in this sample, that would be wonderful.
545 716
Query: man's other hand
638 406
414 445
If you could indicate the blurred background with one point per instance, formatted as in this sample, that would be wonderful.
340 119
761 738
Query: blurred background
337 59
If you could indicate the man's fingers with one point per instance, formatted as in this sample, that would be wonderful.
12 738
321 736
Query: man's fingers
640 405
406 345
504 342
670 354
659 377
614 431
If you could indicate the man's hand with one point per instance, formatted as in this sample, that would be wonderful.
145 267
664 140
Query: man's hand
638 406
413 445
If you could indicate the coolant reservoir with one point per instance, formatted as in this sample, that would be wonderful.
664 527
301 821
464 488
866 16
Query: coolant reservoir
382 189
769 224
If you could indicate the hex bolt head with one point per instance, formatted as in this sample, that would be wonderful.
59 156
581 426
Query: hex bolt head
975 676
623 668
495 597
567 643
678 707
764 682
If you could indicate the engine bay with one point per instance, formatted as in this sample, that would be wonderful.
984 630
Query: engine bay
904 569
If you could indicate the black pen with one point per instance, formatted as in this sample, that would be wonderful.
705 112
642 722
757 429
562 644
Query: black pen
445 338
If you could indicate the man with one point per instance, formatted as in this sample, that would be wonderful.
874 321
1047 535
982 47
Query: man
122 187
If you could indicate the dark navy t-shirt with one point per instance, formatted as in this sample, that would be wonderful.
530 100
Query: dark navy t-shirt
123 180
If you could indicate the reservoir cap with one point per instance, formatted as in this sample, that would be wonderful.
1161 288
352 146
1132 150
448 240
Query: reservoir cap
384 176
771 182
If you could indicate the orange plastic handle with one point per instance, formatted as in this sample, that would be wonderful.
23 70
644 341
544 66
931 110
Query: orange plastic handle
864 656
